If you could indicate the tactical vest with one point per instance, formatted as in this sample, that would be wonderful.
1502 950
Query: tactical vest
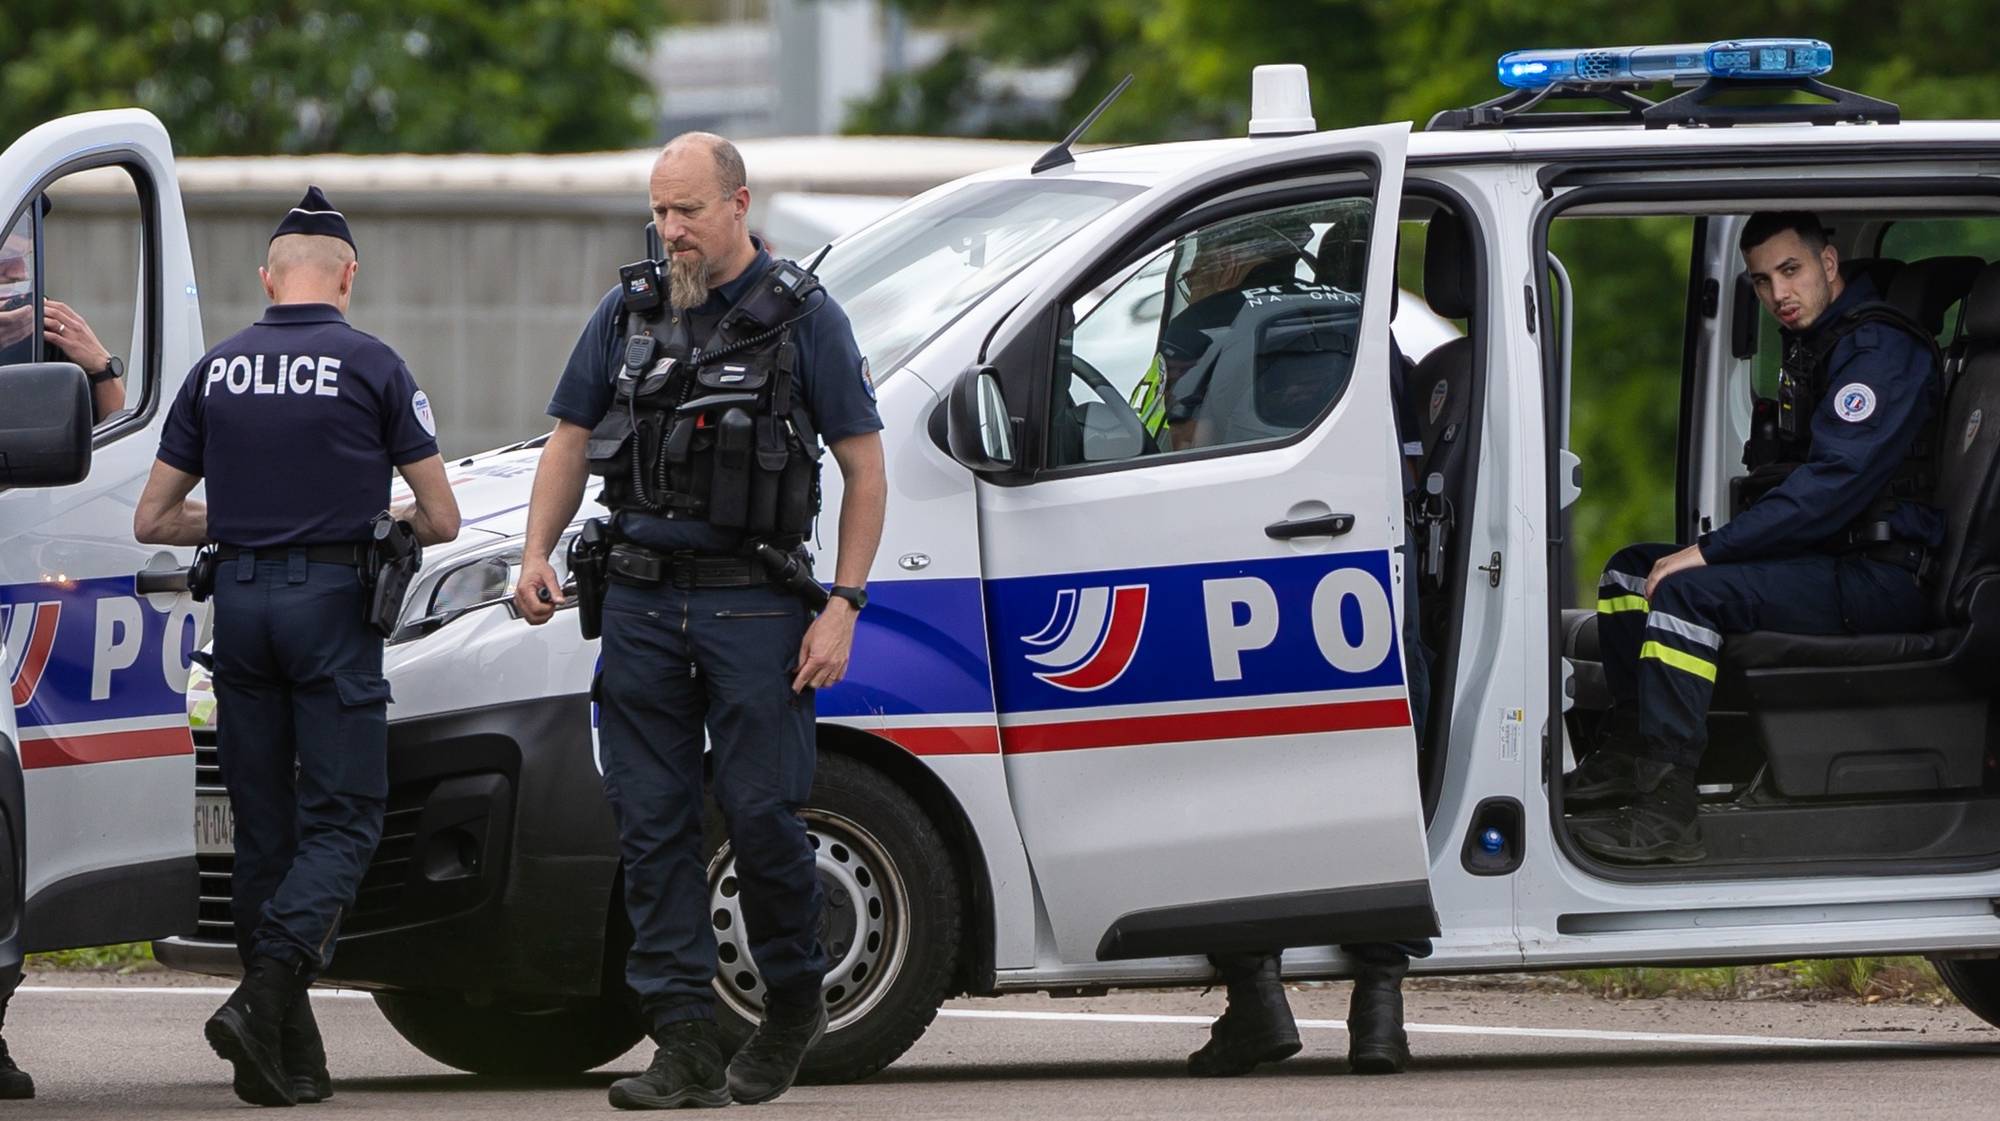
715 432
1803 379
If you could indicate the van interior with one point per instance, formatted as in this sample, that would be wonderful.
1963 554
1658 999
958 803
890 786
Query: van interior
1846 754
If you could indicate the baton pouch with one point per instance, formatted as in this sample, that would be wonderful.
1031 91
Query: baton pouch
729 488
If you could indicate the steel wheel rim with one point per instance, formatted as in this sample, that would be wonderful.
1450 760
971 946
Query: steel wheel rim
864 925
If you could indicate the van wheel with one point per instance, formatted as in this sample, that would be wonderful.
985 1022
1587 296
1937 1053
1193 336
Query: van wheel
1975 982
568 1037
890 926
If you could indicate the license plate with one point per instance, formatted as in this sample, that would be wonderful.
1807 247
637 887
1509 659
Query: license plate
214 825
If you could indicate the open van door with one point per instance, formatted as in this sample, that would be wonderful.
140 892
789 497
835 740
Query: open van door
96 764
1189 507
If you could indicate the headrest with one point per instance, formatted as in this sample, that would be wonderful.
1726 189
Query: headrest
1341 262
1448 268
1982 307
1881 270
1926 289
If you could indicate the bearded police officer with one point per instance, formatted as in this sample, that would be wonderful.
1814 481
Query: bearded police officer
703 411
295 425
1834 539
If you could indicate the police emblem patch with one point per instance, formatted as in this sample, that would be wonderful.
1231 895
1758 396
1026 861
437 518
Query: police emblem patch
421 405
1971 431
1438 394
867 379
1854 402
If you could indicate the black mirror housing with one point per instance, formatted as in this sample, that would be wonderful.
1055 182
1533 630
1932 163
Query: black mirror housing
979 431
45 427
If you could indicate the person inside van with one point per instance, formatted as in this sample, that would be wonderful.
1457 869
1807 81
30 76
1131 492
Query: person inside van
67 336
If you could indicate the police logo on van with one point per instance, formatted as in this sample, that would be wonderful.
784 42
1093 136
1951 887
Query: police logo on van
1971 431
1090 638
1854 402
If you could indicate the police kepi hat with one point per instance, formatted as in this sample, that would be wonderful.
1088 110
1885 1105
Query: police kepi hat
314 215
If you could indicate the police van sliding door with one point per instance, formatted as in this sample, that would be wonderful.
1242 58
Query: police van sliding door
1193 605
97 629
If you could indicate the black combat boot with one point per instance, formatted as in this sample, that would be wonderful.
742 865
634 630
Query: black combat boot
770 1059
247 1030
686 1071
14 1082
1255 1027
1376 1042
1658 826
1609 775
305 1054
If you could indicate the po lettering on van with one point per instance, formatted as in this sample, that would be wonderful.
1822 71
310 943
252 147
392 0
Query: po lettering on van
1241 613
286 375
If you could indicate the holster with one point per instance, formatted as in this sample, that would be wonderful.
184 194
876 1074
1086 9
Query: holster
589 552
201 574
393 560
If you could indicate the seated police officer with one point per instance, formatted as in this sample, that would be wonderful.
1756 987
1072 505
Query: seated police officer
66 334
295 424
1257 1025
703 413
1834 544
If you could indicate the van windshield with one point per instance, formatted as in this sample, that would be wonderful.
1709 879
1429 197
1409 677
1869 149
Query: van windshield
908 276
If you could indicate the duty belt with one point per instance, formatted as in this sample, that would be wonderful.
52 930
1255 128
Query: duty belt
648 568
352 554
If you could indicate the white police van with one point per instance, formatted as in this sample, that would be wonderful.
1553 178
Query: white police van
1125 694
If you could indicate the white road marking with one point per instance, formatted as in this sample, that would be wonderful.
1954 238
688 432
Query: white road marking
1489 1029
1588 1034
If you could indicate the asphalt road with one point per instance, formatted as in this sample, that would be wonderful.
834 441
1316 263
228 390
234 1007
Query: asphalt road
134 1049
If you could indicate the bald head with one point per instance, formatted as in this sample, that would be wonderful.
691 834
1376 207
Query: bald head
701 208
309 269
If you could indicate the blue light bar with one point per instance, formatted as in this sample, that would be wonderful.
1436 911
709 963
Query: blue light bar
1680 62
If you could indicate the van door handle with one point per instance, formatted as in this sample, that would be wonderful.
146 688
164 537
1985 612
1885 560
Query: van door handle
161 581
1325 525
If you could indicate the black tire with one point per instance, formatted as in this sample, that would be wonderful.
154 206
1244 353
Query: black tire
566 1038
1975 982
860 814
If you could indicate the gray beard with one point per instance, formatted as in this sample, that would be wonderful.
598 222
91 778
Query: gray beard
687 281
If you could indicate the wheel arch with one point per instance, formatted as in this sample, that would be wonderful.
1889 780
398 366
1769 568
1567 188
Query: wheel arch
975 961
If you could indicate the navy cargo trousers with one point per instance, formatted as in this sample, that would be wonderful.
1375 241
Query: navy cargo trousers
678 662
1662 655
302 734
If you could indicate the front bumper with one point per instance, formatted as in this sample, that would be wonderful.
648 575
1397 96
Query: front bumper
495 870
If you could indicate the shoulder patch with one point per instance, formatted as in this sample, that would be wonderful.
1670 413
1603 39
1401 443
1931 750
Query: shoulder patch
1439 393
421 405
1971 431
1854 402
867 379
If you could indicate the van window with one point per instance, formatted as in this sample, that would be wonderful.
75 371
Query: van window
1237 333
72 271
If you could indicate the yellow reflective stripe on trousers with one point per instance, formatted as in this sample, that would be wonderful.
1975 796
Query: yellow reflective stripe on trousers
1615 604
1680 660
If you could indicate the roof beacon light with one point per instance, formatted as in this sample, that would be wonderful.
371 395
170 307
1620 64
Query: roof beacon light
1681 62
1280 101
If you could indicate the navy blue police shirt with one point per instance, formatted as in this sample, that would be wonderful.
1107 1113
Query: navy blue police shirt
296 423
831 380
1881 388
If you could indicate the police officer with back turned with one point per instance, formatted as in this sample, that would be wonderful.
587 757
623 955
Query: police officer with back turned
702 407
295 424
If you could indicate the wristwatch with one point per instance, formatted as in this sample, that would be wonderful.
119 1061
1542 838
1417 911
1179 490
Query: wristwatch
114 368
856 596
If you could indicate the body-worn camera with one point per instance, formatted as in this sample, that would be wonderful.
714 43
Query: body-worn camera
642 288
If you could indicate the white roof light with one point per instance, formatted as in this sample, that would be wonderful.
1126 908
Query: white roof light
1280 101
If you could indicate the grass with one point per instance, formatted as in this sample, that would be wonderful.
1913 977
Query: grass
1870 979
124 958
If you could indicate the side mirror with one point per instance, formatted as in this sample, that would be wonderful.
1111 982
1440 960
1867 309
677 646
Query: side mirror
979 432
45 428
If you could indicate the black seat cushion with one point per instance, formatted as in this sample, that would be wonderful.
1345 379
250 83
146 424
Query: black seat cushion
1775 650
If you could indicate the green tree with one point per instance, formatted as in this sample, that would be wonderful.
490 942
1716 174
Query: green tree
231 77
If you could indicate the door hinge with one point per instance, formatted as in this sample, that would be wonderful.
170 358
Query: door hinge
1492 570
